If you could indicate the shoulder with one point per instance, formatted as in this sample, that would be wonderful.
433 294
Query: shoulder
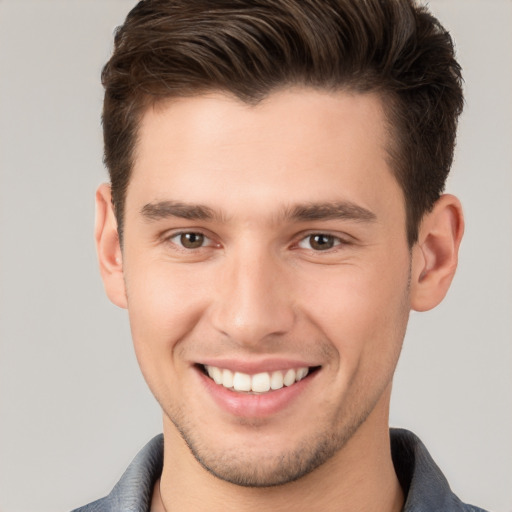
101 505
422 481
134 490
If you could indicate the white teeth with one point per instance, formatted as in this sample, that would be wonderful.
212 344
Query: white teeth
301 373
289 377
276 381
216 374
258 383
241 382
227 378
261 382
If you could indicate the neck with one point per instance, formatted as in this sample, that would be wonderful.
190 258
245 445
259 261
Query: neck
360 477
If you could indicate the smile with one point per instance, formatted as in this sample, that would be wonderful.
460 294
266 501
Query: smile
258 383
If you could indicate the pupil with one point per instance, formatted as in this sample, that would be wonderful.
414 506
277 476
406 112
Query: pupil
321 242
192 240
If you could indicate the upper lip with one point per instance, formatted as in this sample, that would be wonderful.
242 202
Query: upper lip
253 367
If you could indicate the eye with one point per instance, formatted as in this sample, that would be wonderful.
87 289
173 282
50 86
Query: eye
319 242
190 240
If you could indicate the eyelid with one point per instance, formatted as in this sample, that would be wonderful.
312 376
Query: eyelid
171 236
340 239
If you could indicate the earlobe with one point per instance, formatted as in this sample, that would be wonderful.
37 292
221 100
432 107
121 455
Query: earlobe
435 255
108 247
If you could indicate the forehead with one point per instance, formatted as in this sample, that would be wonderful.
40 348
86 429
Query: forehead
296 145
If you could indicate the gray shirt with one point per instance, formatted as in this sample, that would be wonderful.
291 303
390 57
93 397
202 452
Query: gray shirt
425 487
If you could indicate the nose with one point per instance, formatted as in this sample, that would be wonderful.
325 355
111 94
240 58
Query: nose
254 303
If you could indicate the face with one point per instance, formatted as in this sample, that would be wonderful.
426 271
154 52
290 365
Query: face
267 276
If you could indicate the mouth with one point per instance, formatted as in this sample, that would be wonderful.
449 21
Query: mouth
259 383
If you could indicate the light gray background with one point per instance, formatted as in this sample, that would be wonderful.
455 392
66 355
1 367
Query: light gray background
74 409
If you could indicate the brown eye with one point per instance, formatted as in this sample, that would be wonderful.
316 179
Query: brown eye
192 240
319 242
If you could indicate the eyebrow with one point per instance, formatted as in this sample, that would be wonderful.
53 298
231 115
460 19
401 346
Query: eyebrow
342 210
166 209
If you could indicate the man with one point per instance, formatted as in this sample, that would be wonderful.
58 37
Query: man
275 211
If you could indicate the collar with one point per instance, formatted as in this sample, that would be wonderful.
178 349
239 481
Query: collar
425 487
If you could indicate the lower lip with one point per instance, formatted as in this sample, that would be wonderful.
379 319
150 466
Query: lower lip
255 405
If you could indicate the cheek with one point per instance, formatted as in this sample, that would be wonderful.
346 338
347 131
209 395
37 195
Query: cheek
362 310
161 297
163 307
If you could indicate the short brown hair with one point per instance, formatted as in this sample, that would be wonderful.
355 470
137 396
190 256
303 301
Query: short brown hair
173 48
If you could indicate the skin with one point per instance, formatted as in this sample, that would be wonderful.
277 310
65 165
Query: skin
259 290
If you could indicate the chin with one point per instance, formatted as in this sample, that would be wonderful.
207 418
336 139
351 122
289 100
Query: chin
265 462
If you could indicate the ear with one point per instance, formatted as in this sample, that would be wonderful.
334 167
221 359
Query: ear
108 247
435 255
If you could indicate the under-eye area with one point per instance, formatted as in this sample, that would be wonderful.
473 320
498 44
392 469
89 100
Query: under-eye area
257 383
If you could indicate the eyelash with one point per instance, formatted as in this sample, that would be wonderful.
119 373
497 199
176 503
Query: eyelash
336 240
177 240
181 234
